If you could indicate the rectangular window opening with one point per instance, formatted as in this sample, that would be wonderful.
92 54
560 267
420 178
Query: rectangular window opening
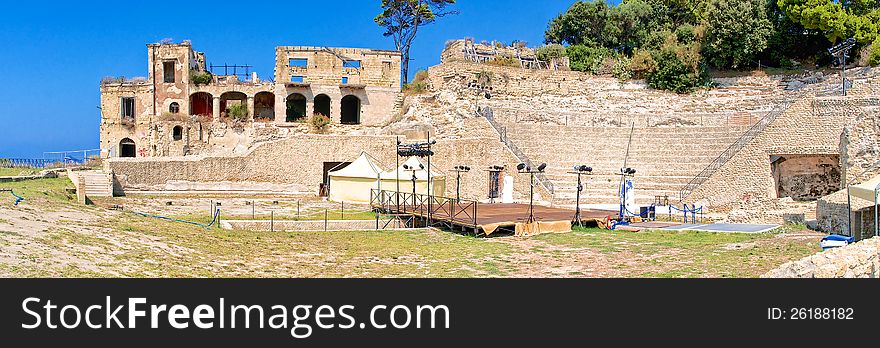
127 107
297 79
168 68
344 80
351 64
299 63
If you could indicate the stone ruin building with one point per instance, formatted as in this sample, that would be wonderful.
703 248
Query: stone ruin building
182 108
757 148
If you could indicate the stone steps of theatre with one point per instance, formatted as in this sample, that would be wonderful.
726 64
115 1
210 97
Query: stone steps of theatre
649 145
617 133
602 152
97 184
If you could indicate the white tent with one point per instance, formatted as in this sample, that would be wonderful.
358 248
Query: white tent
390 179
865 190
354 182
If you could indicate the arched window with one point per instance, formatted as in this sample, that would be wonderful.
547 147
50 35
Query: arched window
127 148
177 133
322 105
351 110
174 108
264 106
201 103
296 107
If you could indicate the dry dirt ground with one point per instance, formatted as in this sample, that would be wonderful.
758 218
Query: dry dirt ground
49 235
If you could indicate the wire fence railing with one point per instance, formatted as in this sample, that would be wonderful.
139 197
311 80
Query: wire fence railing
543 181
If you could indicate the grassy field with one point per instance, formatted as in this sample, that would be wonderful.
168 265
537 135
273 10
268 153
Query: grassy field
49 235
18 171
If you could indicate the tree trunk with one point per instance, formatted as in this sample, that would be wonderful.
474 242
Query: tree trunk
405 58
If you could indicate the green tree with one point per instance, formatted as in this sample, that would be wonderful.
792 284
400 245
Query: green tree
677 67
549 52
583 24
402 19
736 31
838 19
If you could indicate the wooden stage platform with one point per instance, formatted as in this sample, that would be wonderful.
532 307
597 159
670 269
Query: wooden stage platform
482 218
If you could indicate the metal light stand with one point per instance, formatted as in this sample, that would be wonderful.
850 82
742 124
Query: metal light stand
421 150
458 170
841 51
624 174
413 171
579 170
523 168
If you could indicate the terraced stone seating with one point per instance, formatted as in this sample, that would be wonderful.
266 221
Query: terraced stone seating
666 159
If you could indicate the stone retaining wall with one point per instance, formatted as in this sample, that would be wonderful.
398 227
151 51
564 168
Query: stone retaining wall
859 260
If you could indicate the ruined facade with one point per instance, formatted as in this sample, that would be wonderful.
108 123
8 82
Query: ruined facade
182 109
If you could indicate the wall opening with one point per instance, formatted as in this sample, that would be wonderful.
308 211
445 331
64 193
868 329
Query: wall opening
351 110
201 104
168 71
126 108
177 133
230 99
174 108
324 190
296 107
298 62
805 177
127 148
264 106
322 104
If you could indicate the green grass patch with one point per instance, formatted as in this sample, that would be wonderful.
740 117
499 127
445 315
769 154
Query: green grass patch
690 253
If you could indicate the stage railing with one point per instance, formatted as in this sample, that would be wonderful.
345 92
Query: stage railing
445 210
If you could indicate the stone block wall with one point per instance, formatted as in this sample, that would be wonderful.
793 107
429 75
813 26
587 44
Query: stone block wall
295 164
859 260
811 126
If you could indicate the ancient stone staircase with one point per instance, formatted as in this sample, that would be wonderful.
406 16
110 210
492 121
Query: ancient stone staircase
665 158
543 182
94 183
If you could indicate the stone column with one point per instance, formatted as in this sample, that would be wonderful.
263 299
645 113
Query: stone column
216 108
250 107
280 107
310 108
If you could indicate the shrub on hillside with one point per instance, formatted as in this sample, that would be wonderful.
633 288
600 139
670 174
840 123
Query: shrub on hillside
874 56
588 59
418 85
237 112
319 122
200 77
550 52
622 70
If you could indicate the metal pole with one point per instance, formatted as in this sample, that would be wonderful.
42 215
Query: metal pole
253 210
577 211
849 212
397 172
843 72
272 220
325 219
342 210
531 197
429 179
457 185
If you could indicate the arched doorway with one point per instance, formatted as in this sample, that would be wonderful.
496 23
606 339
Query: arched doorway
296 107
201 104
351 110
127 148
264 106
322 104
230 100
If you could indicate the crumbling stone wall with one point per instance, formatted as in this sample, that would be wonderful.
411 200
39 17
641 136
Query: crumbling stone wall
806 177
811 126
295 164
859 260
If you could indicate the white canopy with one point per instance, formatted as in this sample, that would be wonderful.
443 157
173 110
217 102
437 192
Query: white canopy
355 182
865 190
363 167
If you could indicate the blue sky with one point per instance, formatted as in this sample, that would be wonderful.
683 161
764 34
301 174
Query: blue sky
55 53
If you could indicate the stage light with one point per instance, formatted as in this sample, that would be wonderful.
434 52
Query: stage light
521 166
406 167
488 95
542 167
